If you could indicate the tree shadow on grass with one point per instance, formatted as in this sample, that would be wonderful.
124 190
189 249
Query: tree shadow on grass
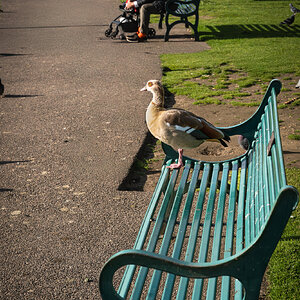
249 31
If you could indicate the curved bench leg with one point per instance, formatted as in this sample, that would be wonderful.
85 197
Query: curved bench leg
187 25
253 288
168 28
196 34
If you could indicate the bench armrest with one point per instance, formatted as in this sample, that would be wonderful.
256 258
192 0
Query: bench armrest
248 263
162 263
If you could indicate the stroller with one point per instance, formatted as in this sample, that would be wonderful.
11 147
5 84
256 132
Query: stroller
126 23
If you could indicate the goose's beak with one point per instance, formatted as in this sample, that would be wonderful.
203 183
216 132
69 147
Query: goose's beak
144 88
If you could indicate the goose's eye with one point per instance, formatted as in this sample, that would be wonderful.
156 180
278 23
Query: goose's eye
150 84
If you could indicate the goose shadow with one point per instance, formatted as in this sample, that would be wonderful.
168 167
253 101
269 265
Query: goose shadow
137 175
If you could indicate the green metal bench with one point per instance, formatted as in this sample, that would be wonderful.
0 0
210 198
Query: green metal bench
211 227
183 9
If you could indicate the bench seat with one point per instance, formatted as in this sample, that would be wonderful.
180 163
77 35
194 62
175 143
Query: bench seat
211 227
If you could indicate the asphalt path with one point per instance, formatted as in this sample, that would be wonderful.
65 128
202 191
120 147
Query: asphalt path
72 121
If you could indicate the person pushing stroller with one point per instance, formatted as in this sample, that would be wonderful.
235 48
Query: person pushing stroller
147 7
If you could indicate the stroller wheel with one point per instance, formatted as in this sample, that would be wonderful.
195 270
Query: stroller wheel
122 36
114 34
151 32
108 32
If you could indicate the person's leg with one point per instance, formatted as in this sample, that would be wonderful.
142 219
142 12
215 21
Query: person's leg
145 12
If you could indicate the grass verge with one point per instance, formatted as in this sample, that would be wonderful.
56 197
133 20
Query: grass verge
284 266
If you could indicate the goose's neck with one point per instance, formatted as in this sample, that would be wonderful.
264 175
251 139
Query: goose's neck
158 99
152 113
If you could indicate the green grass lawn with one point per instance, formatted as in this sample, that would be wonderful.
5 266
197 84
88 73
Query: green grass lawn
248 47
284 266
244 36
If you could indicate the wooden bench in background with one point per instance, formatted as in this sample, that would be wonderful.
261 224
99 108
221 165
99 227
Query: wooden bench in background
211 227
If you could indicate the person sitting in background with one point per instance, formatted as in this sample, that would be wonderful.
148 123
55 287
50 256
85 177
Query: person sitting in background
147 7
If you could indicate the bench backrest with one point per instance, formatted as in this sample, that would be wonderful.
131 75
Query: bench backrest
182 7
266 174
255 179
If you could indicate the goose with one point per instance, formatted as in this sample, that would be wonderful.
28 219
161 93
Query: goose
176 127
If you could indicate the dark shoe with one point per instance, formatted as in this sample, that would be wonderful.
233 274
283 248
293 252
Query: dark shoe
136 38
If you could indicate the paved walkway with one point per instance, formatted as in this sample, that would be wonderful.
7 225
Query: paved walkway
71 122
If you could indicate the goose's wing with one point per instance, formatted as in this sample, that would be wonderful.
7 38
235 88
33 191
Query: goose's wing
191 124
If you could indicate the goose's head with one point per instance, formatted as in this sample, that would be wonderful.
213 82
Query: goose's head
156 88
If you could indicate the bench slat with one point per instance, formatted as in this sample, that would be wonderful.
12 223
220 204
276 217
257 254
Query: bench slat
212 283
251 184
183 284
273 156
207 227
274 151
256 178
154 285
266 190
167 293
247 202
185 9
261 183
136 293
228 248
129 272
241 206
278 141
269 161
240 221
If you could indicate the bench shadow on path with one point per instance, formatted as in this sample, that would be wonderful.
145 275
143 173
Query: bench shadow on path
237 31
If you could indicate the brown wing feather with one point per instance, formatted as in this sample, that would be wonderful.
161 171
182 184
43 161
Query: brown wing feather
184 118
211 131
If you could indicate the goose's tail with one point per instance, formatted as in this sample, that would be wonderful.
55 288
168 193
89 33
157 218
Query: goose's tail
226 138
